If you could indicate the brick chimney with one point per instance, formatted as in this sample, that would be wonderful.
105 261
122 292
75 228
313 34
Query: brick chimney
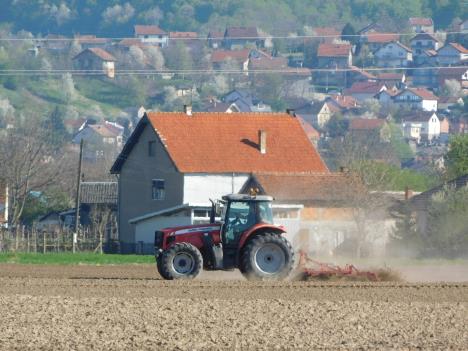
188 110
291 112
262 139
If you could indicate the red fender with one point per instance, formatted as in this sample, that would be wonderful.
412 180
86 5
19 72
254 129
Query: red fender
264 227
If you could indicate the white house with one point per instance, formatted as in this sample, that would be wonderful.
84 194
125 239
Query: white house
152 35
417 98
451 54
421 126
173 163
394 54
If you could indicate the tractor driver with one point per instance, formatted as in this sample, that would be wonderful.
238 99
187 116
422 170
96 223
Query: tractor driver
242 219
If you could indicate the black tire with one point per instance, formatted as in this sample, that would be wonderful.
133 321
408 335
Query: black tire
267 256
181 261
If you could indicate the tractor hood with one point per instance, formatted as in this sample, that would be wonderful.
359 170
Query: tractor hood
190 229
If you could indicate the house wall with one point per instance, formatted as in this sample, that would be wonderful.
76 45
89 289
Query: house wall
393 55
200 188
429 105
159 40
449 55
144 230
135 184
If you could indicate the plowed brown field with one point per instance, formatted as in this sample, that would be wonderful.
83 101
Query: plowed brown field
131 308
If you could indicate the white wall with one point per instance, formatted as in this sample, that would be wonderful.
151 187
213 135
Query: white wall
144 230
200 188
429 105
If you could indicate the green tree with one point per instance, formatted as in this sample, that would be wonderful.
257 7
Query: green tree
457 156
348 33
56 132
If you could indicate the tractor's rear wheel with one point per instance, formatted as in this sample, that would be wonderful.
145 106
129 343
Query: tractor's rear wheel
267 257
181 261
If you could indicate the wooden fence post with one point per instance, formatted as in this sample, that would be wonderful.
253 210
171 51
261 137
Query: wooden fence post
44 242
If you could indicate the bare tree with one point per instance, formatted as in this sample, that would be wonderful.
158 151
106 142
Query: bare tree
102 219
368 181
29 163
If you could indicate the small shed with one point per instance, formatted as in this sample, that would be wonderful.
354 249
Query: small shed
95 59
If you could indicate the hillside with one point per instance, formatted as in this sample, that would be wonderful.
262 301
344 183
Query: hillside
116 18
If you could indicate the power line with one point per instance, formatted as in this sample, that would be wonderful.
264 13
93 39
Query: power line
265 37
292 71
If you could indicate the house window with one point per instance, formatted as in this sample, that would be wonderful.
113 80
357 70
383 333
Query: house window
158 190
151 148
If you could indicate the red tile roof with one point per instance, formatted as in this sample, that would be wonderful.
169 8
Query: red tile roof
264 62
241 32
345 101
364 88
366 123
382 37
90 39
420 21
358 70
327 31
460 48
333 50
391 76
131 42
224 143
148 30
422 93
183 35
101 53
219 56
308 187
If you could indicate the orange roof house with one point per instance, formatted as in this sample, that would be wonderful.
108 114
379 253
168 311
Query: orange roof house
200 142
175 160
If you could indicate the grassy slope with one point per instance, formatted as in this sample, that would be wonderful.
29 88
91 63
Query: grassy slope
74 259
40 96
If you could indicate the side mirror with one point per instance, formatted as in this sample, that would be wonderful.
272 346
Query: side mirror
215 210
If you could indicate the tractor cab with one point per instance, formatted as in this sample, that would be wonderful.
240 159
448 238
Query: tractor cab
241 213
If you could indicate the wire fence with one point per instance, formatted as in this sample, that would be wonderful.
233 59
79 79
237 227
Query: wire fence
31 240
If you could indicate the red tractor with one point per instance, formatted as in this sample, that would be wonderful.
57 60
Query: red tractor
245 238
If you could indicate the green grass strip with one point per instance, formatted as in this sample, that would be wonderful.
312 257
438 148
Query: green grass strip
82 258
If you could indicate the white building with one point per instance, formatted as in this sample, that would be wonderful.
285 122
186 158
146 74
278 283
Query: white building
421 126
152 35
417 98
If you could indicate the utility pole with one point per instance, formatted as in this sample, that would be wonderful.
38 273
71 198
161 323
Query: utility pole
77 200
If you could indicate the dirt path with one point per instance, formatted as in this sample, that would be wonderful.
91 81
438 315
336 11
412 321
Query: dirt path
129 307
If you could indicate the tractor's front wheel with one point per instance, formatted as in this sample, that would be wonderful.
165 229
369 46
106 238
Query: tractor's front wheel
181 261
267 257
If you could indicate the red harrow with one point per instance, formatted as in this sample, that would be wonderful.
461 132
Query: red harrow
315 269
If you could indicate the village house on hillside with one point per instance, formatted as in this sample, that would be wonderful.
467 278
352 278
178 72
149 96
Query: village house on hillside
103 140
238 58
173 163
394 54
417 98
421 126
375 41
370 128
153 35
452 54
421 24
95 59
236 38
